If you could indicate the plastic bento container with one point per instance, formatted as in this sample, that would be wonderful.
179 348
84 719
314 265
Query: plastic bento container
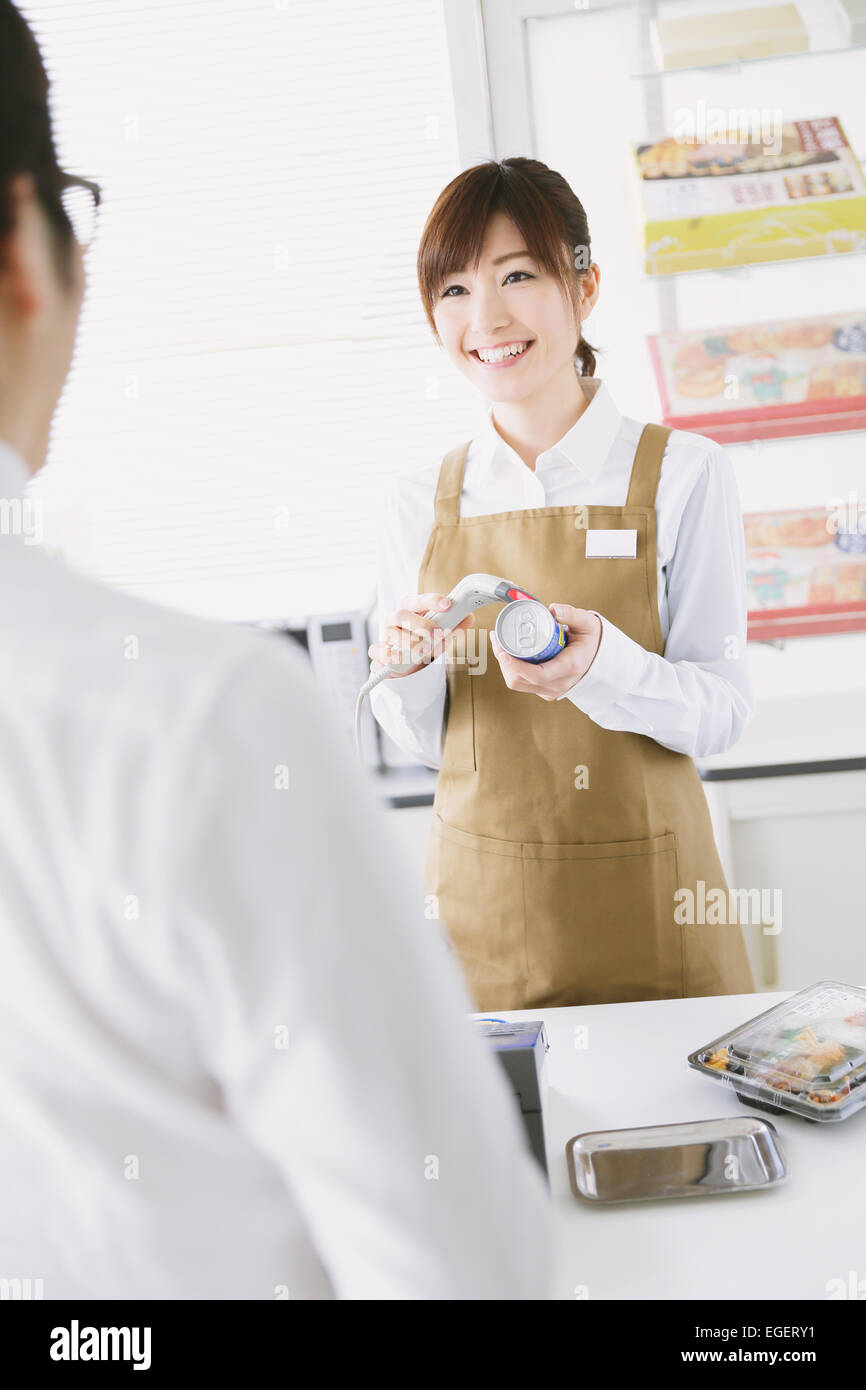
806 1055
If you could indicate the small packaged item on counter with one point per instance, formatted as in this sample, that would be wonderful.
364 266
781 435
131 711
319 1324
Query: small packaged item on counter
806 1055
522 1048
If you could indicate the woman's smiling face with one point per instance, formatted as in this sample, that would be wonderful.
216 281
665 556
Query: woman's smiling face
512 312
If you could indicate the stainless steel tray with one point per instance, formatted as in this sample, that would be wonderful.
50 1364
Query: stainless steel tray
735 1154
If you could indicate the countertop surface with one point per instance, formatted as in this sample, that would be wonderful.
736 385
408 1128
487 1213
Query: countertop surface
613 1066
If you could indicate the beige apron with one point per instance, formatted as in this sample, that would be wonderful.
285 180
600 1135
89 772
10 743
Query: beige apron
557 846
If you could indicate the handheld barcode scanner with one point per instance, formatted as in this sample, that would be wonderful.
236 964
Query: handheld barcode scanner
473 592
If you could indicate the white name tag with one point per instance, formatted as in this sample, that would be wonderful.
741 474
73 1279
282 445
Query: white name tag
601 544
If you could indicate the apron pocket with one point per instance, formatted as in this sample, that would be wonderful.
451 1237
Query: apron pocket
478 882
458 753
600 921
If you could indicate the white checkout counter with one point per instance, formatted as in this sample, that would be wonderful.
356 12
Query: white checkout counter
788 1242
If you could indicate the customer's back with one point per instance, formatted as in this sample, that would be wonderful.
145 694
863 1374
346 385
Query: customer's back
234 1061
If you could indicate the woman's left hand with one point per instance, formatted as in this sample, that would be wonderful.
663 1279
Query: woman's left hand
553 678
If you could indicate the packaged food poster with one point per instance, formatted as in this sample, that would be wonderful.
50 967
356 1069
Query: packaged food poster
805 572
764 381
713 198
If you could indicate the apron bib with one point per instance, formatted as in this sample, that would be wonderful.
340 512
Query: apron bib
557 846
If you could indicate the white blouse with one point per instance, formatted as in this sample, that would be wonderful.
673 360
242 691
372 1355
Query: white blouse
697 698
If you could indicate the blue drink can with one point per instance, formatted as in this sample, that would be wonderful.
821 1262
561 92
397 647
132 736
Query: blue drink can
529 631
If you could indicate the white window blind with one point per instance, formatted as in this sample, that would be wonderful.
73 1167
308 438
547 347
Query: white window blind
253 362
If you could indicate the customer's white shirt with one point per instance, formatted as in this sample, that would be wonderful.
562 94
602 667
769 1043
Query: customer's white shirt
697 698
234 1057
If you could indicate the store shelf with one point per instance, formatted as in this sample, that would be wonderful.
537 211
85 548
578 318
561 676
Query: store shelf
744 272
736 67
822 22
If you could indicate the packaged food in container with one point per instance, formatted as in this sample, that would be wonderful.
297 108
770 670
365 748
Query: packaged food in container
806 1055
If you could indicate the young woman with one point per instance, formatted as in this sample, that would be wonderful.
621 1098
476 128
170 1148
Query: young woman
571 852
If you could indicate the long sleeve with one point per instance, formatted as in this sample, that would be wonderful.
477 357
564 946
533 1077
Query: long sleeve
697 698
332 1017
410 709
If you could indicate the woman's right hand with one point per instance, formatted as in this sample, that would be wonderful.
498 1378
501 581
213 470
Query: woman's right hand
411 637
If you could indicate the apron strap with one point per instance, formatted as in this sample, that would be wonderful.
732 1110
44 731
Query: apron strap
643 485
450 485
647 466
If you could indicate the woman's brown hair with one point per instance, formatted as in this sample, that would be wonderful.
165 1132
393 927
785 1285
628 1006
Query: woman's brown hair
542 206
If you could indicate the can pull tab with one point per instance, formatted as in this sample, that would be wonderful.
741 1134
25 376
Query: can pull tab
527 631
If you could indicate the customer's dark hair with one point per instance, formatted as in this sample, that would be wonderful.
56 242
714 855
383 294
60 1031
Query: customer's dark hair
544 208
26 137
